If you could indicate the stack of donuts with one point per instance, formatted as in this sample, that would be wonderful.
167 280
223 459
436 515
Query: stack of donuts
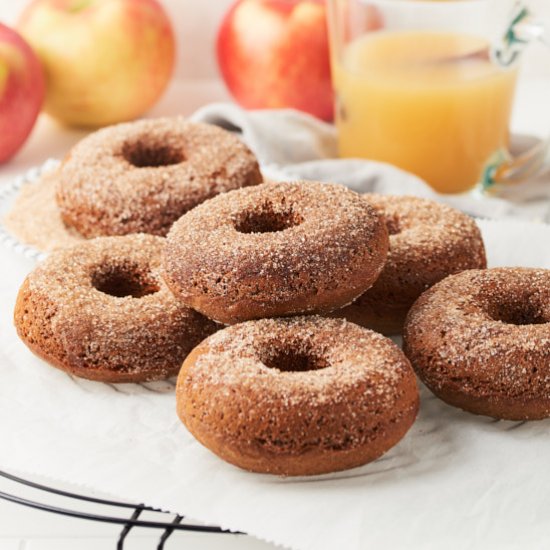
269 301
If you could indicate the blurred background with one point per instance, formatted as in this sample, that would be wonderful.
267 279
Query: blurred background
271 54
196 23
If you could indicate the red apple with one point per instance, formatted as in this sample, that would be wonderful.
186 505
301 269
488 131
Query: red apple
21 91
106 61
274 53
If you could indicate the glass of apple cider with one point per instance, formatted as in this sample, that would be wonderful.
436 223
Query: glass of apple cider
429 87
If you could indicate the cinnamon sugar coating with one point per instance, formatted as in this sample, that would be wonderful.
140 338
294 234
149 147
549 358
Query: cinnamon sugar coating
275 249
35 219
100 310
428 242
297 396
142 176
480 340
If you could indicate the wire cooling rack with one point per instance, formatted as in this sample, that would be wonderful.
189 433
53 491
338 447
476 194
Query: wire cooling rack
130 514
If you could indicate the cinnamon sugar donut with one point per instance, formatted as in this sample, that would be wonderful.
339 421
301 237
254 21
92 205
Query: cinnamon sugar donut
100 310
428 241
142 176
275 249
297 396
480 340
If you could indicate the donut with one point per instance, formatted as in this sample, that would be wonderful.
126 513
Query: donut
100 310
297 396
428 241
275 249
480 340
142 176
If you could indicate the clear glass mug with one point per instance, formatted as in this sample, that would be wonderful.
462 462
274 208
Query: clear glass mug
428 85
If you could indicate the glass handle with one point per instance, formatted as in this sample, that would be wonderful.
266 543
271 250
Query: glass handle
504 168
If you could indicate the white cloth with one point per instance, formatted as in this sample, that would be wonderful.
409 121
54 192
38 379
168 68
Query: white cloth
456 480
293 145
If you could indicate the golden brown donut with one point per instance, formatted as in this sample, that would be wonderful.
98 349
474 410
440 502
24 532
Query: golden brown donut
480 340
142 176
100 310
428 241
275 249
297 396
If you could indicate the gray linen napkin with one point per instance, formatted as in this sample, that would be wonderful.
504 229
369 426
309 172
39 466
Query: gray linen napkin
292 145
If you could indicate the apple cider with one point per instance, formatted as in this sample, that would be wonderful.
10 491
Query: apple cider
429 102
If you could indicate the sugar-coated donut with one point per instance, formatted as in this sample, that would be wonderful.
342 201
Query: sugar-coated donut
428 241
480 340
142 176
100 310
275 249
297 396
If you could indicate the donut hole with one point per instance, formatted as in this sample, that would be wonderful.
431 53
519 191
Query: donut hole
518 313
123 281
151 155
267 219
293 360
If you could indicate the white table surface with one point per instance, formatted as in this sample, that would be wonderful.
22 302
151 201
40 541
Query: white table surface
26 529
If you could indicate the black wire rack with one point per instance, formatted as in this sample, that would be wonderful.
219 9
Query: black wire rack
166 522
